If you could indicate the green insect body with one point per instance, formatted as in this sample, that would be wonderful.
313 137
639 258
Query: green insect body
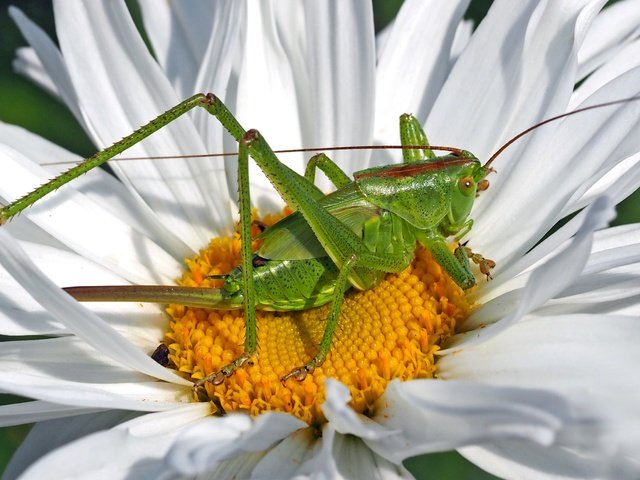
389 208
352 237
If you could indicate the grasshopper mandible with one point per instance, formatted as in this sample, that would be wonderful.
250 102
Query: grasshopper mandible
352 237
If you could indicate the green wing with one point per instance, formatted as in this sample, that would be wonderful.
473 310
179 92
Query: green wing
292 238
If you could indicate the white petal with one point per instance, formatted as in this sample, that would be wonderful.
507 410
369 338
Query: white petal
179 33
322 463
147 396
493 91
347 457
38 411
96 184
618 183
67 371
614 237
85 324
615 26
545 281
448 415
143 324
461 39
213 440
622 62
215 68
264 98
132 449
513 459
48 435
50 58
344 419
29 65
285 458
582 145
415 63
557 354
125 88
103 237
340 96
355 460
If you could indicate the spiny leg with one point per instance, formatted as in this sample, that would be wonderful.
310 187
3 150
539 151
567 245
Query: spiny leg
391 263
455 264
330 169
248 289
14 208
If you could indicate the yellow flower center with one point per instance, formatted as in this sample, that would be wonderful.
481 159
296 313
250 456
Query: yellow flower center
391 331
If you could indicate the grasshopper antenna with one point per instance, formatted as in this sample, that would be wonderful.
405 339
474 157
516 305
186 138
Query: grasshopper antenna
454 150
553 119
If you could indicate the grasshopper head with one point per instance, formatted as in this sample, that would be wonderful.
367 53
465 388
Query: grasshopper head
465 185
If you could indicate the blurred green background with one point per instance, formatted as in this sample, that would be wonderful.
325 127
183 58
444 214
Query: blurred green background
24 104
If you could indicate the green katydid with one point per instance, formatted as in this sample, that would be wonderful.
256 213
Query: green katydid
349 238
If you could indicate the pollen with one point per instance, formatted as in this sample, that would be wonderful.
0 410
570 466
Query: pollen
389 332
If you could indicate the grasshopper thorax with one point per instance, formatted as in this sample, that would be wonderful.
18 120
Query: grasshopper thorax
431 194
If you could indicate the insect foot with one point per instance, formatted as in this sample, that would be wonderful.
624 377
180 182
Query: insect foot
225 372
485 264
300 373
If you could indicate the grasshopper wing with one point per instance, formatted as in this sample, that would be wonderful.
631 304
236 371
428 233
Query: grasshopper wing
292 238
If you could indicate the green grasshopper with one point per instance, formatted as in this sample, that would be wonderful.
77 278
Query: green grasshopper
352 237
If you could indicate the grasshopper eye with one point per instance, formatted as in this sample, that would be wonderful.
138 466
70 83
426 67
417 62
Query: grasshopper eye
467 186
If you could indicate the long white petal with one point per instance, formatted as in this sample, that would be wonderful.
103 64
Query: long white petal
415 63
623 61
135 448
557 354
29 65
103 236
51 60
78 319
179 33
554 166
125 88
512 459
38 411
340 56
616 26
49 435
214 70
103 189
544 282
214 440
142 324
452 414
493 92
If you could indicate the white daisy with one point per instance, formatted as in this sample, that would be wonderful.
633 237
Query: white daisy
539 382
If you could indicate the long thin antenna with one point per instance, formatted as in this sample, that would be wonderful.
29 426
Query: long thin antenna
457 151
553 119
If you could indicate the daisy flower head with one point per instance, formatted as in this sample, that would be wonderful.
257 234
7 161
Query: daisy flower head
529 375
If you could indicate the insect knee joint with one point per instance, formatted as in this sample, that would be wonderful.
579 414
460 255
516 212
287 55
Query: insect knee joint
209 99
250 137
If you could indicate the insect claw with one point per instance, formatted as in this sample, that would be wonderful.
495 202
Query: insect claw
299 374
